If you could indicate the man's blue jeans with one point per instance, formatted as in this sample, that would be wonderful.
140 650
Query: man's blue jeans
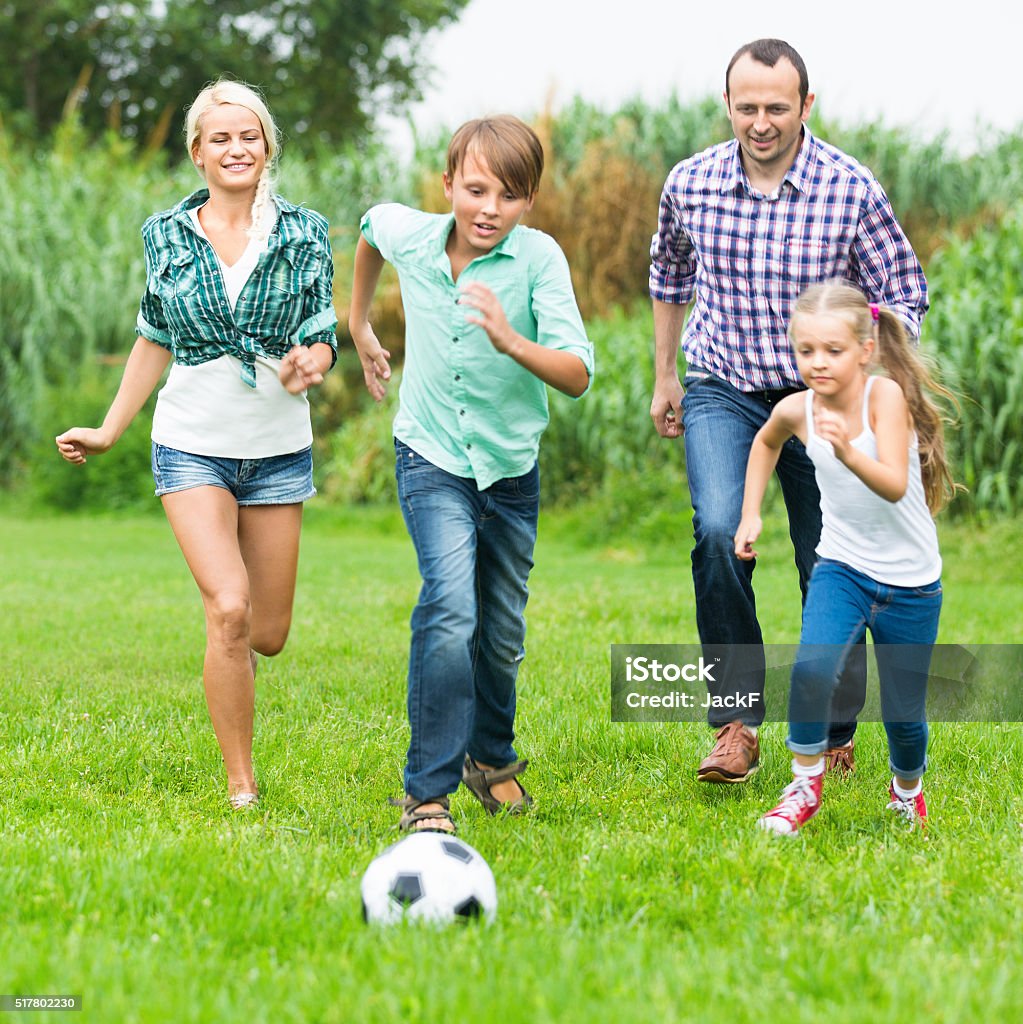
841 606
720 423
475 552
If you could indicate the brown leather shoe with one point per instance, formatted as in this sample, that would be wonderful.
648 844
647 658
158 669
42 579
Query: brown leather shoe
840 759
735 757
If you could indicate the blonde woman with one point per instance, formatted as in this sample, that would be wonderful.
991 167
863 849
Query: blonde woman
238 303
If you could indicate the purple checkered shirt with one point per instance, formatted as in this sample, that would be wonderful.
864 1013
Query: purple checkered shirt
747 255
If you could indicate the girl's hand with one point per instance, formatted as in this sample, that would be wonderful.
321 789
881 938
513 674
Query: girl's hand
300 369
491 318
831 427
78 442
376 370
745 536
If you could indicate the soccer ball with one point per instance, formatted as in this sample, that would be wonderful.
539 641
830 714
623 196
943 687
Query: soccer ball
428 876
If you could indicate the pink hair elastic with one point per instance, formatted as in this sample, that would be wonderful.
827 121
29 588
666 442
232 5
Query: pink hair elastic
875 313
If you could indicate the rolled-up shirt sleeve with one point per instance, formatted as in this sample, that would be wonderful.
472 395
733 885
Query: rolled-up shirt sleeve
886 265
151 322
559 324
672 256
318 316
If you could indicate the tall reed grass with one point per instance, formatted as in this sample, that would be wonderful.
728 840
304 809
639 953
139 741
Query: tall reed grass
975 331
72 273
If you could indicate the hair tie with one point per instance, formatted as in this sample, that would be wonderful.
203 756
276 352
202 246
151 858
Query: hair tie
875 312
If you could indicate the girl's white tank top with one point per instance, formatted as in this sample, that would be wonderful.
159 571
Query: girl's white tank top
892 542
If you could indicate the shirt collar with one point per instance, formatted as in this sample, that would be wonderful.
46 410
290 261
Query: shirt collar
192 202
508 246
180 212
799 175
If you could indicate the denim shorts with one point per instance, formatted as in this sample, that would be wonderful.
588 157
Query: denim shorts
277 480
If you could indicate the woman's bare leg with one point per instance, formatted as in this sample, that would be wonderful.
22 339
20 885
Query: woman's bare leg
205 523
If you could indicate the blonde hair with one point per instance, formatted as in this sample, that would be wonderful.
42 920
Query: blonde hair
511 149
902 362
224 91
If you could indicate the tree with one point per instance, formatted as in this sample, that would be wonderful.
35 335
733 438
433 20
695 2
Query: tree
327 67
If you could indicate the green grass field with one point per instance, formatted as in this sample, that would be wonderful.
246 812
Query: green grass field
631 894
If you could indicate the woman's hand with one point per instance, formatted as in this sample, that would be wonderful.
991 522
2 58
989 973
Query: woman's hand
302 368
78 442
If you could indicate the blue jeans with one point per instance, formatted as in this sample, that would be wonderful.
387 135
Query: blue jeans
841 606
475 552
720 423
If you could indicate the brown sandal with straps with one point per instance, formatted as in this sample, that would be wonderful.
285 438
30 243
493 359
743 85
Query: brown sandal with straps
412 818
478 781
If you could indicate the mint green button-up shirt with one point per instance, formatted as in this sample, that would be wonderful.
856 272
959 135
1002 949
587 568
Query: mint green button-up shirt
464 406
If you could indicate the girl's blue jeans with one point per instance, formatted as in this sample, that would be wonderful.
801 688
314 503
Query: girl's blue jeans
475 553
720 424
841 605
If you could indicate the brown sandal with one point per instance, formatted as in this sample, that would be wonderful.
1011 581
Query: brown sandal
478 781
412 818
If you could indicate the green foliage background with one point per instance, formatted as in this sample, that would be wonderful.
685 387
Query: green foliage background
328 67
73 269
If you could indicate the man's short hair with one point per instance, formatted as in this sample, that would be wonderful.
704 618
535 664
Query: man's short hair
509 146
769 52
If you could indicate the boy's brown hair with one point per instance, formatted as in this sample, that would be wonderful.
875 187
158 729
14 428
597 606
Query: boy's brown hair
509 146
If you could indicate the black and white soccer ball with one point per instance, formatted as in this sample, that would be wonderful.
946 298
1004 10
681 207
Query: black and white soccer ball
431 877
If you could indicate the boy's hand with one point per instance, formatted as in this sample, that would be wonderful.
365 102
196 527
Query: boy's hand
491 318
745 536
376 370
300 369
78 442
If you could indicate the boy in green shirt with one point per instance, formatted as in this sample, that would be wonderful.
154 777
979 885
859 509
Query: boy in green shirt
491 320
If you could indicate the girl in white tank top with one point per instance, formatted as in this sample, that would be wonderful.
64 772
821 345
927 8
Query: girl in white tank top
877 447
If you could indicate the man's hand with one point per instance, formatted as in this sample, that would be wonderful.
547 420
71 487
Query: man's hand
666 408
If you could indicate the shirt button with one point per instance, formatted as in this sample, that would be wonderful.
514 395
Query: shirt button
468 446
458 376
461 412
455 338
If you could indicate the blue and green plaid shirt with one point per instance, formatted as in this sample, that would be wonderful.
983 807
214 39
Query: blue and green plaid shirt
287 301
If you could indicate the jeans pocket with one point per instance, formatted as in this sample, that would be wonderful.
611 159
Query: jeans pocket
155 463
694 380
413 472
524 488
527 486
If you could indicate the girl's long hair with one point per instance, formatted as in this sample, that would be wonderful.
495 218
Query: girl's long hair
227 90
904 363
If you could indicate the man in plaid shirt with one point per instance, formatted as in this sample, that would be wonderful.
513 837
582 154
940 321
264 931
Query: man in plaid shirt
745 226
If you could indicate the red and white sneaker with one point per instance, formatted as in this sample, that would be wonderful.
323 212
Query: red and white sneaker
800 801
913 811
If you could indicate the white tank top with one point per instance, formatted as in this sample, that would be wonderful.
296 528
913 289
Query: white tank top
892 542
208 409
